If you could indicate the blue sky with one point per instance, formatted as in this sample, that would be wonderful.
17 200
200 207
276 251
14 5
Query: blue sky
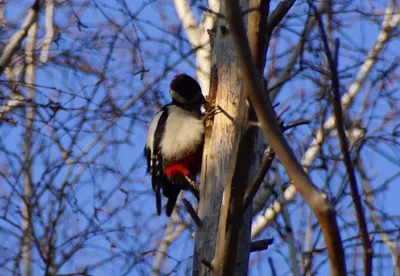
127 156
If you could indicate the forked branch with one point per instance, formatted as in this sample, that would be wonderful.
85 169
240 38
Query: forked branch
253 85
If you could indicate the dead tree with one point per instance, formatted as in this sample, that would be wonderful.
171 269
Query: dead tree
226 166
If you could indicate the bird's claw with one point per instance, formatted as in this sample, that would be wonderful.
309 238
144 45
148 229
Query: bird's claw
209 114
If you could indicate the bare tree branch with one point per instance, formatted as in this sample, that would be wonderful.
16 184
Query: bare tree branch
16 39
198 37
170 235
257 31
264 168
104 79
44 55
344 145
27 224
254 87
257 181
307 258
188 20
370 200
287 72
288 224
14 101
391 20
272 267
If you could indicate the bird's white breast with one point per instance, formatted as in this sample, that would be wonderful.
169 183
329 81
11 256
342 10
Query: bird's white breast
183 133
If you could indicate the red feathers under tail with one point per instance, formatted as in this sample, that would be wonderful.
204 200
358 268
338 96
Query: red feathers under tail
177 168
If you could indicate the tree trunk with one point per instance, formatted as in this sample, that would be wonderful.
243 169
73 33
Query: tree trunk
221 153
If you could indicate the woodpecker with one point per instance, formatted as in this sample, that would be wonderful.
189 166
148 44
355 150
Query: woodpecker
175 141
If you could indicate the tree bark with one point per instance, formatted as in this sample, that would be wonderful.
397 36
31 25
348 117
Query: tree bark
221 153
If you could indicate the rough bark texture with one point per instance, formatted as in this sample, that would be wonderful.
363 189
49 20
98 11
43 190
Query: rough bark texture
221 151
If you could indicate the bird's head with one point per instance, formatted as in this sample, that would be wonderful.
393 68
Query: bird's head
186 90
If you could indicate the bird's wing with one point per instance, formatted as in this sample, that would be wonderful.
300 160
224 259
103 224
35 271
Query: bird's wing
157 162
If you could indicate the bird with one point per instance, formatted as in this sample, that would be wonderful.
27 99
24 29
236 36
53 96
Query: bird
175 141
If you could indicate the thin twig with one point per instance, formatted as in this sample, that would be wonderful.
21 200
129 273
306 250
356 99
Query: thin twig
369 198
208 10
260 245
308 258
297 53
258 179
264 168
279 13
289 237
272 267
296 124
274 19
189 208
344 145
170 235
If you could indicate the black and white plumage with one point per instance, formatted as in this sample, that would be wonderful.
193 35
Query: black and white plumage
174 143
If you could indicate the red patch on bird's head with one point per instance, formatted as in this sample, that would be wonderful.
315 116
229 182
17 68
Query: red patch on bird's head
176 78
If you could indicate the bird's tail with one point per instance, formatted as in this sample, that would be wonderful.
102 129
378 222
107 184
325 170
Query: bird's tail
171 202
158 200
